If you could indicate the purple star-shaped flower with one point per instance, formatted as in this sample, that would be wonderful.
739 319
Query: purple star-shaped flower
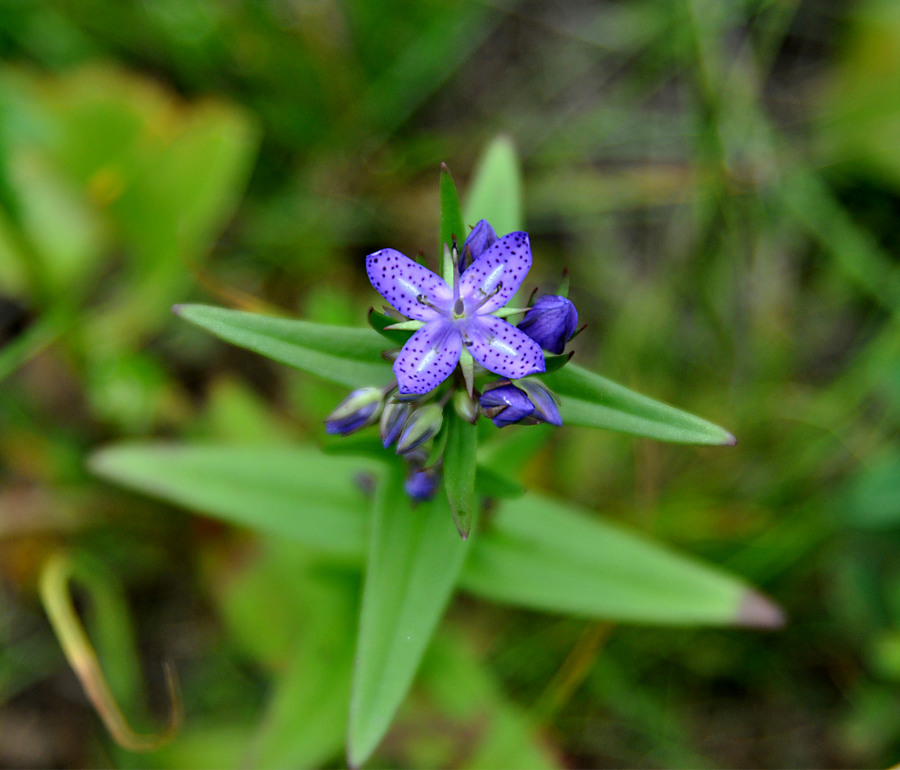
458 316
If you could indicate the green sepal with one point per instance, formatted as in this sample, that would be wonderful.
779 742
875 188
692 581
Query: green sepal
379 322
554 363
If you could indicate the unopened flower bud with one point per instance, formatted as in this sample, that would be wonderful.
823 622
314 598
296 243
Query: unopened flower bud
527 403
550 322
479 241
506 405
465 407
423 424
393 418
544 400
359 410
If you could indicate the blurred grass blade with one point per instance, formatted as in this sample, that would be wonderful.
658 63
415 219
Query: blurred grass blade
414 561
57 600
345 355
469 694
596 402
459 470
545 555
496 190
451 212
871 497
298 493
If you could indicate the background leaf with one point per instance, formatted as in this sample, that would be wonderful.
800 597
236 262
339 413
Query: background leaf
495 193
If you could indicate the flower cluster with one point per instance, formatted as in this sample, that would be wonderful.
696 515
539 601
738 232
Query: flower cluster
460 327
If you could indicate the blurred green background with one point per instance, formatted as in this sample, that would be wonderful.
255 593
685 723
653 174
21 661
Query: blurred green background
722 180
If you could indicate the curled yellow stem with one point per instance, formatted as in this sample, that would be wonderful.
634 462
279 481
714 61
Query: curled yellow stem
56 574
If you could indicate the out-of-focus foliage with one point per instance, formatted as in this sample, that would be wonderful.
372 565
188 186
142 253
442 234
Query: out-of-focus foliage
720 179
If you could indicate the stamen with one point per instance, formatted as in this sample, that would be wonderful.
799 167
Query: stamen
454 256
486 297
423 300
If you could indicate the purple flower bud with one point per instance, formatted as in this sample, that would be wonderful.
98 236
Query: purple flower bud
544 400
421 485
527 403
359 410
393 418
506 405
479 241
550 322
423 424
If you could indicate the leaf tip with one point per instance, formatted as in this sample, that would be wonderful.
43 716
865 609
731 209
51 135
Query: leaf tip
757 611
178 309
730 439
444 169
463 522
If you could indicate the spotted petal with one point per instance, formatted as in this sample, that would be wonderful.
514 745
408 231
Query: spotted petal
503 265
501 348
405 283
429 356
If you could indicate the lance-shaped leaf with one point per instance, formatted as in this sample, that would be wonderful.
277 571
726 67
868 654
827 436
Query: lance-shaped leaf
545 555
459 470
451 212
340 354
415 557
300 493
596 402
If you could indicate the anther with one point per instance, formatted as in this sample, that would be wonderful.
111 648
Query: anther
486 297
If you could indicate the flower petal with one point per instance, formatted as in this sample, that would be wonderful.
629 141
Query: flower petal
501 348
403 282
503 265
428 357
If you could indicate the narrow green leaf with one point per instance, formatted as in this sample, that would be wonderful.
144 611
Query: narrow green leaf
299 493
340 354
451 212
496 190
459 470
596 402
545 555
414 561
